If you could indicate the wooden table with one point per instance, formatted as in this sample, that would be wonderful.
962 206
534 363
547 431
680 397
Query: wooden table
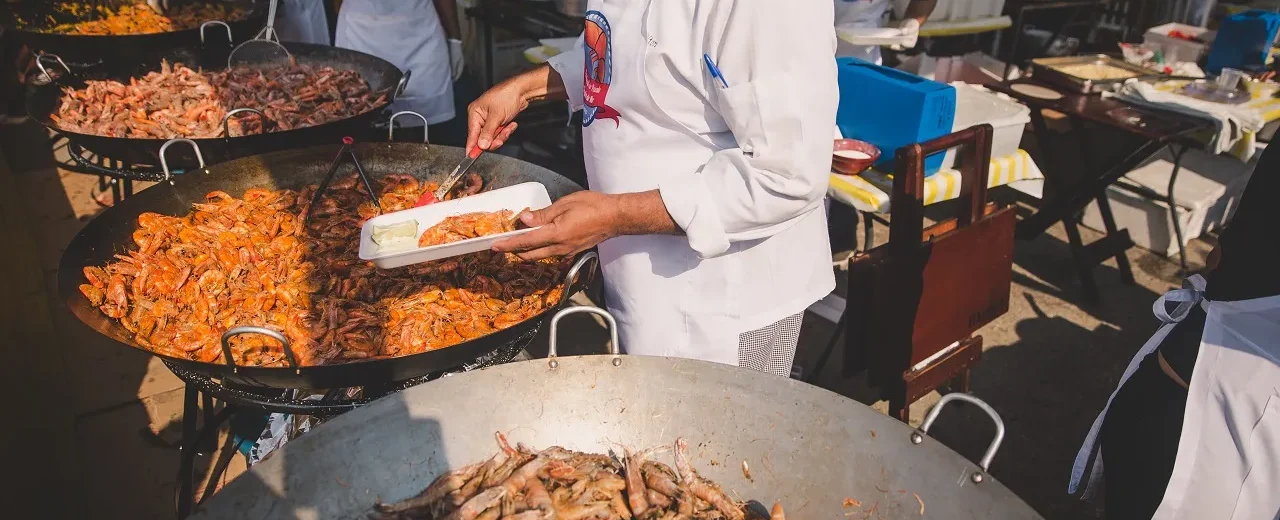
1066 198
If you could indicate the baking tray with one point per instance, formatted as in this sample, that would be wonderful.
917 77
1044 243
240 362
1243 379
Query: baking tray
1045 69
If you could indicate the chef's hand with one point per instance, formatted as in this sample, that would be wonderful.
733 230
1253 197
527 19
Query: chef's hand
486 115
456 61
911 29
159 6
575 223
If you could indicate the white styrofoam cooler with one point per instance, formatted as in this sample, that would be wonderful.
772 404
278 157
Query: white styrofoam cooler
956 10
976 105
1185 50
1207 191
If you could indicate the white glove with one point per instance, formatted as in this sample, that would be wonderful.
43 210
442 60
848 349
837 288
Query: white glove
456 61
911 29
159 6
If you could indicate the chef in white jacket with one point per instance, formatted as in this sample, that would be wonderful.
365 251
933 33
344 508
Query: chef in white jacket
421 36
302 21
706 188
871 13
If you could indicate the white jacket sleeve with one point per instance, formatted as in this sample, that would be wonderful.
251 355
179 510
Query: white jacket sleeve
569 65
780 107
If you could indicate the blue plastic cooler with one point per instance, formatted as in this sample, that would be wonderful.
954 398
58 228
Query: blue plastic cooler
1243 41
891 109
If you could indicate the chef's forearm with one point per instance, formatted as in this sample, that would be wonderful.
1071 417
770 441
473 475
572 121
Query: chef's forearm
920 9
643 213
447 10
541 82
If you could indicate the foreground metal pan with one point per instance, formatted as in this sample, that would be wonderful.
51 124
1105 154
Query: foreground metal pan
804 446
110 233
381 75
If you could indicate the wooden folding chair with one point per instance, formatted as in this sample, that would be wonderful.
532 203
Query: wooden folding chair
915 302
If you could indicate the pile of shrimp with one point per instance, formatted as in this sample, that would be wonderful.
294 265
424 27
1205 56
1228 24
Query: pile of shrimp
555 483
469 225
178 101
255 260
141 19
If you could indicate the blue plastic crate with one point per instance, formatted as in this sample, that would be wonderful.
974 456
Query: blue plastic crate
891 109
1243 41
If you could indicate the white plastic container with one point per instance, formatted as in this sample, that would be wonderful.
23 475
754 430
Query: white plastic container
976 105
1207 191
531 195
1177 48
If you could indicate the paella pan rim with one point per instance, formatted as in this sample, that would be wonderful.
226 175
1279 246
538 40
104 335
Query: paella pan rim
43 101
808 447
106 234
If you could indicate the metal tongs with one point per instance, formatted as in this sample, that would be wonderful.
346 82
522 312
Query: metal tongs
452 179
343 153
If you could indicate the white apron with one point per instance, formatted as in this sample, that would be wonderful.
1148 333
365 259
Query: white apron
1228 461
408 34
667 300
303 21
860 14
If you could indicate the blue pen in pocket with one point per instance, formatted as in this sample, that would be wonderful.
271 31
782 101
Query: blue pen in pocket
715 71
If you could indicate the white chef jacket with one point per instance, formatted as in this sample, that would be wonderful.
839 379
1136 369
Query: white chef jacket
303 21
1228 461
860 14
742 170
408 34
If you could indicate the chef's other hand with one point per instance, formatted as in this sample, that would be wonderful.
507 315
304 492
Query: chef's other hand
911 29
493 109
575 223
456 61
159 6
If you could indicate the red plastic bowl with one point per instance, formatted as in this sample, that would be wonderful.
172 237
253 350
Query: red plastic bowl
851 156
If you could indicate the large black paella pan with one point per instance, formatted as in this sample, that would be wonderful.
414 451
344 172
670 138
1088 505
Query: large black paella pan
110 233
43 26
384 80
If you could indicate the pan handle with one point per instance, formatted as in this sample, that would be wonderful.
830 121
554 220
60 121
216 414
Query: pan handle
555 327
401 85
391 125
917 437
230 39
236 331
164 162
573 281
44 72
226 120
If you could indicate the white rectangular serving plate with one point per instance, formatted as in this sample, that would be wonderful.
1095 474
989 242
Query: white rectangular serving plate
531 195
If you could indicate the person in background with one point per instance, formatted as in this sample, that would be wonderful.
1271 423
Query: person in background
302 21
871 13
1193 431
418 36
